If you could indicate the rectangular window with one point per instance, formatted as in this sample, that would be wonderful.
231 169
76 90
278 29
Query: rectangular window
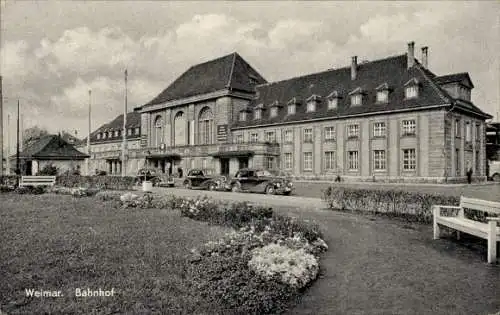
457 162
291 109
288 136
468 132
379 129
382 96
457 128
269 162
311 106
204 164
239 139
379 162
356 99
409 159
137 130
353 160
308 135
129 132
353 131
288 164
270 136
243 116
411 91
332 103
308 161
254 137
329 133
257 114
478 132
330 162
409 127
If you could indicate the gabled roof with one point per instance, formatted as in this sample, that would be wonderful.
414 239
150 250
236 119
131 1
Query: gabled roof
52 147
227 72
392 70
462 77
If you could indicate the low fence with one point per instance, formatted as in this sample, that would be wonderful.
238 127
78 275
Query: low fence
102 182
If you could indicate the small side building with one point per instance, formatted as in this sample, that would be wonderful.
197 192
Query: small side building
49 150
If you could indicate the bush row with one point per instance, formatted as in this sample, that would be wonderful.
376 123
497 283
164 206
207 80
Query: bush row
100 182
411 205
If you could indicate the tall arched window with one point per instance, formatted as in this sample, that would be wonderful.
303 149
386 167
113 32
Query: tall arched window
205 126
180 129
158 131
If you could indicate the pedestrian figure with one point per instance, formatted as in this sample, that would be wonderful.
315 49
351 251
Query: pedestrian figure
179 170
469 174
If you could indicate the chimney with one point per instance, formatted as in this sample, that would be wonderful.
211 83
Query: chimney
411 54
425 56
354 67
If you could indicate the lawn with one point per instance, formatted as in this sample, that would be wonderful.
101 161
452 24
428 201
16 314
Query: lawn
54 242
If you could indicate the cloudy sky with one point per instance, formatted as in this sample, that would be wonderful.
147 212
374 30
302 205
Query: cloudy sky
53 52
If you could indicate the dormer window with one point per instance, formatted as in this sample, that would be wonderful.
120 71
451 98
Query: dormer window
243 116
333 100
411 88
99 135
383 93
129 131
105 135
311 102
257 114
292 106
356 97
274 109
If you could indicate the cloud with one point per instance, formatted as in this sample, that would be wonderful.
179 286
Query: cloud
17 60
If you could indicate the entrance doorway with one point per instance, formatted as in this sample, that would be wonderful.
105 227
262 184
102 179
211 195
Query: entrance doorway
29 165
242 162
224 166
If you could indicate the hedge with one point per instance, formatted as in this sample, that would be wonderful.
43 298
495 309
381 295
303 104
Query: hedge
411 205
102 182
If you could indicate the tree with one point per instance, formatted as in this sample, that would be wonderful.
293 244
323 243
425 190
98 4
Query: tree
32 135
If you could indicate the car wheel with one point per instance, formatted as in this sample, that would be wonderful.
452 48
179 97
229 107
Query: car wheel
496 177
212 187
236 187
270 190
187 185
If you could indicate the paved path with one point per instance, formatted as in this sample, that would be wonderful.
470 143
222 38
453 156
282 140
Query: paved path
378 266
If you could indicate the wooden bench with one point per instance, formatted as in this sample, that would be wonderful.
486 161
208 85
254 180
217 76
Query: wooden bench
460 223
37 181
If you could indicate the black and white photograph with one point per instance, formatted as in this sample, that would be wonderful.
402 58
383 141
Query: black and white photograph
249 157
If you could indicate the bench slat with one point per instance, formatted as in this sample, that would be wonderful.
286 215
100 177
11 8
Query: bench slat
472 227
479 204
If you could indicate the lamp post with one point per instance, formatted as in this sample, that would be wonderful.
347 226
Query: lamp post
88 136
124 132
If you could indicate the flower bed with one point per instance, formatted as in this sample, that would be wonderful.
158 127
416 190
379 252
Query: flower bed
259 267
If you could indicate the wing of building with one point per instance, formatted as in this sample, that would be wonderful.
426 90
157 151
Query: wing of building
391 119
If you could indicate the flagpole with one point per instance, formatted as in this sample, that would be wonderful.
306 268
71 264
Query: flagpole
18 171
88 134
124 132
1 129
7 158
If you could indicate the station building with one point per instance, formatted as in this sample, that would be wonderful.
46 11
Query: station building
391 119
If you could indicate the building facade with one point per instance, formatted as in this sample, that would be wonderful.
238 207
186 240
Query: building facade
386 120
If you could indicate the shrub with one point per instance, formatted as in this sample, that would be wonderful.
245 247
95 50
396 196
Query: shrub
35 190
410 205
294 267
108 195
48 170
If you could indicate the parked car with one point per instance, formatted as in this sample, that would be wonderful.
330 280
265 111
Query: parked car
147 174
494 171
197 178
166 180
259 180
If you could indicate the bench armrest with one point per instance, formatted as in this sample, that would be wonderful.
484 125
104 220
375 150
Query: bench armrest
493 219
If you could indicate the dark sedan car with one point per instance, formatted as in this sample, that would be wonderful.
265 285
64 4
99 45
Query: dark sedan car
258 180
197 178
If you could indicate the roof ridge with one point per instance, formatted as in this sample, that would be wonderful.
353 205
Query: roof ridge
232 70
331 70
446 98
